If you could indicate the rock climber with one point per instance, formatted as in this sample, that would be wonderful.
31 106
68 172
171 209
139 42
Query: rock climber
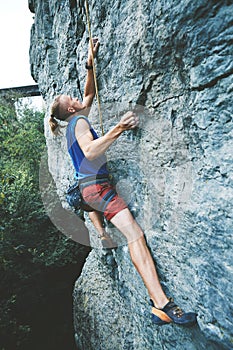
87 152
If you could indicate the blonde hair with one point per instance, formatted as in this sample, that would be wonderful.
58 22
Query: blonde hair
58 112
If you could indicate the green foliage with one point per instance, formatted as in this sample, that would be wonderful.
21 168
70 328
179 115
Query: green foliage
32 250
22 142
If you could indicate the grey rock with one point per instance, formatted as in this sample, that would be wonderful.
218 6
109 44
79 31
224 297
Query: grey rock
175 59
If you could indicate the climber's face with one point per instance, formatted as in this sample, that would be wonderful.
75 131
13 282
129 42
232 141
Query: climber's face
70 104
75 103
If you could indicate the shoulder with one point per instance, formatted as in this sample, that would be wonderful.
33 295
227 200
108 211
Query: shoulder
78 119
83 127
82 122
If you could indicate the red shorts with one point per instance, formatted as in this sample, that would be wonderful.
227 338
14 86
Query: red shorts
103 197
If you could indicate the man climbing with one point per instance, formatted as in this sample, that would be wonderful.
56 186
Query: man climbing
87 152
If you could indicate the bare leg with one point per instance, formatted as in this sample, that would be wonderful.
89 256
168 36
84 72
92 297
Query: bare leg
140 255
97 220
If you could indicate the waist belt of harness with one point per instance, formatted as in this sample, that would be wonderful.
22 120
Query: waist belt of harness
93 177
94 181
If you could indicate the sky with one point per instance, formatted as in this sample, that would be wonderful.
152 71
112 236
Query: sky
15 24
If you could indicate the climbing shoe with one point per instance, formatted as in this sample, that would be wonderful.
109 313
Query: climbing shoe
107 241
172 313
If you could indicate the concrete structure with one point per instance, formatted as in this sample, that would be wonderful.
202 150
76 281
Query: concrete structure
22 91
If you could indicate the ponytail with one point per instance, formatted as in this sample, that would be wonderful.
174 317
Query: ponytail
54 125
55 116
58 112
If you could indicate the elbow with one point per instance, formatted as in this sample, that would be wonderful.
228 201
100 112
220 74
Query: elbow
91 95
88 99
89 155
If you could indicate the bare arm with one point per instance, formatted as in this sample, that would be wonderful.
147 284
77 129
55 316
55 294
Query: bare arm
95 148
89 89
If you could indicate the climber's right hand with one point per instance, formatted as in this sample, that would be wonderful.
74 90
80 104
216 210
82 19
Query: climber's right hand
129 121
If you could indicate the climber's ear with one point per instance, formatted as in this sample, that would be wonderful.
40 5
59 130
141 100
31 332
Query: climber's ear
71 109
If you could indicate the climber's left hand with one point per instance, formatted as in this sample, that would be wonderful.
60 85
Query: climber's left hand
96 44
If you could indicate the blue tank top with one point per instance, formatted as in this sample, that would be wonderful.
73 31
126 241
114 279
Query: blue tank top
83 167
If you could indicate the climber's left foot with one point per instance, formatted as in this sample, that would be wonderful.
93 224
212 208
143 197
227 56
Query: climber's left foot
107 241
172 313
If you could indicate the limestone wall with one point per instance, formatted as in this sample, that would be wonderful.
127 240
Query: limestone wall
174 58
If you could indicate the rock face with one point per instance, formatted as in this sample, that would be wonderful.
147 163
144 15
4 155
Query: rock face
174 58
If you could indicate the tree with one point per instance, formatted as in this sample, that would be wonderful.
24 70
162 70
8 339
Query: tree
35 256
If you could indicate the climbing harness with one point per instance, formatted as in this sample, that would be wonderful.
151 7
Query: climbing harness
94 68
